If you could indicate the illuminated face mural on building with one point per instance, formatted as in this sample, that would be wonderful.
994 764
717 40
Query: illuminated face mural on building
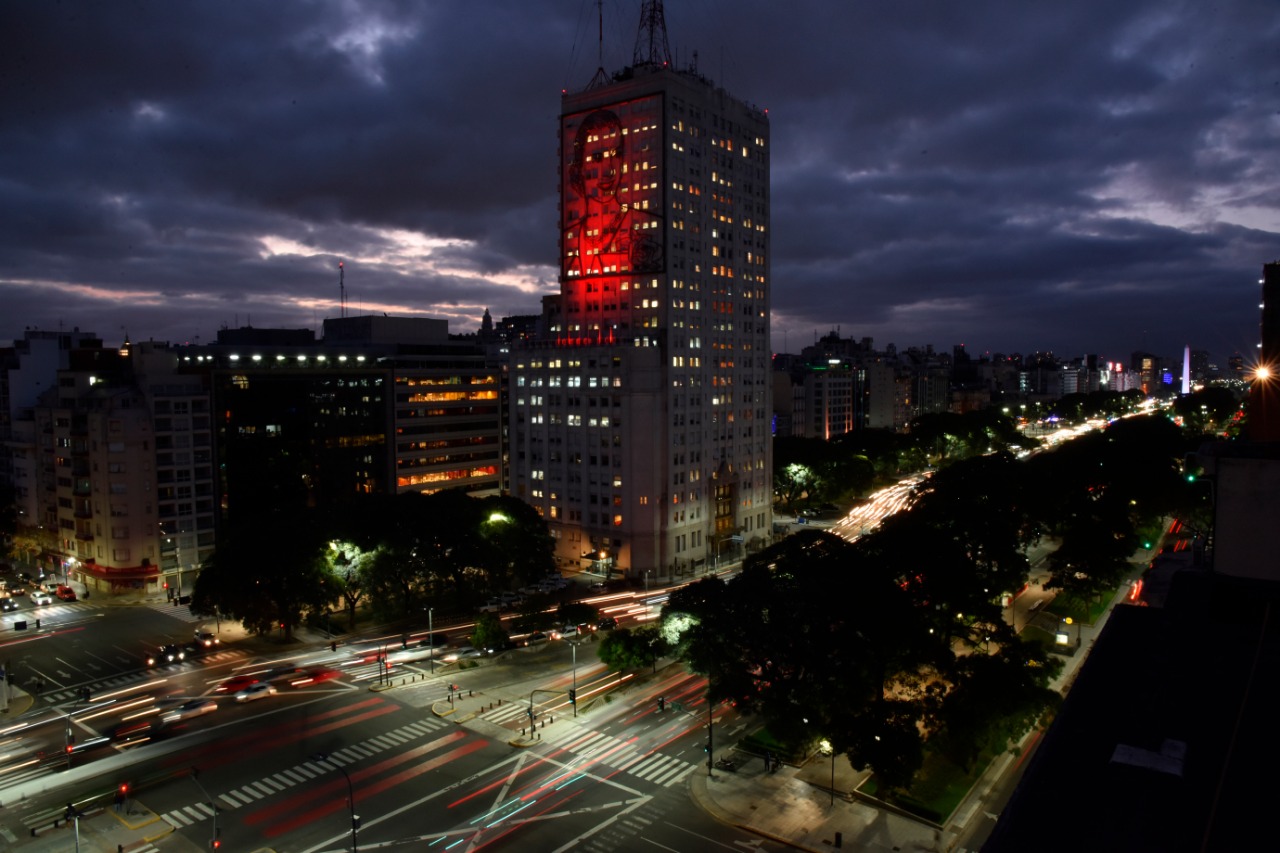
611 192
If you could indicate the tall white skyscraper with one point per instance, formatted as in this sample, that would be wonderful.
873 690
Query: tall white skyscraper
640 422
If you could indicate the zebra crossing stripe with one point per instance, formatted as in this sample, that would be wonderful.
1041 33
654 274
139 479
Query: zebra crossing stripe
292 773
680 776
361 751
281 779
653 769
230 802
668 774
626 759
266 790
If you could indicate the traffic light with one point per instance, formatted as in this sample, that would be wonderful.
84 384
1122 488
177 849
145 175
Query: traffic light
124 789
355 821
573 696
662 703
70 748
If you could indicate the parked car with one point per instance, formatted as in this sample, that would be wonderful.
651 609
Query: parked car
606 624
37 598
261 690
65 593
493 605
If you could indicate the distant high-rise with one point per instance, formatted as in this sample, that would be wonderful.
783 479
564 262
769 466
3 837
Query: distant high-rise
640 421
1264 392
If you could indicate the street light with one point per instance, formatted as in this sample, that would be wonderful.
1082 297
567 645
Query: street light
213 839
829 748
431 638
351 796
573 691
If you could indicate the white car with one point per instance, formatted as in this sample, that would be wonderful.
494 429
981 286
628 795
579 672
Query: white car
40 598
261 690
462 652
193 708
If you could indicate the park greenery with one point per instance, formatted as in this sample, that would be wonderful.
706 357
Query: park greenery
398 554
895 645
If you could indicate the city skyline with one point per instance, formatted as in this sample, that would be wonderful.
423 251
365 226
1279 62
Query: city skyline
1081 180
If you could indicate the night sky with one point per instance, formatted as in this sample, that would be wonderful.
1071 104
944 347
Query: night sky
1083 177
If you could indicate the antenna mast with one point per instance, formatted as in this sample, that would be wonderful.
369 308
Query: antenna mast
651 40
342 289
600 78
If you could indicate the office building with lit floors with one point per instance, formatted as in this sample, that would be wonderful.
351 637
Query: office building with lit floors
639 422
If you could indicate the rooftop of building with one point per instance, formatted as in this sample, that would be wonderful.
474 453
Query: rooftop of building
1164 742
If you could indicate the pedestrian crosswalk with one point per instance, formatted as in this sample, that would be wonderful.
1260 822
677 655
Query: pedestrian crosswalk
508 712
300 773
627 757
71 694
177 611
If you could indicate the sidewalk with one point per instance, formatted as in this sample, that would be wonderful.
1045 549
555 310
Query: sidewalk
794 806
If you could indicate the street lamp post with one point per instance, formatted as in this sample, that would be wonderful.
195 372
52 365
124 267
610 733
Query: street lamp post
573 692
351 796
213 839
431 638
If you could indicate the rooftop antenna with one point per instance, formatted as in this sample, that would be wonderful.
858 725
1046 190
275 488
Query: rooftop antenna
651 40
600 78
342 289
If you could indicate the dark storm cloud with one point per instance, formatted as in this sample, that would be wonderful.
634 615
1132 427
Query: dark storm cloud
1084 177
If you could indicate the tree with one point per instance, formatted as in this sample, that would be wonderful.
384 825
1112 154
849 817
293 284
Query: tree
264 579
631 648
489 633
534 614
993 701
576 613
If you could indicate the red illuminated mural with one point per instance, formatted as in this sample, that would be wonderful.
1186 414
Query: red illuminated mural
611 191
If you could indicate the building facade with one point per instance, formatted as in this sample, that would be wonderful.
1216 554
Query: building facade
640 420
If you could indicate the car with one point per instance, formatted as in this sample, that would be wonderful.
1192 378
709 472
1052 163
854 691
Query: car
314 676
236 683
261 690
208 639
65 593
17 589
191 708
135 731
168 653
38 598
25 577
461 653
565 631
493 605
534 638
606 624
8 605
